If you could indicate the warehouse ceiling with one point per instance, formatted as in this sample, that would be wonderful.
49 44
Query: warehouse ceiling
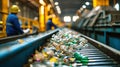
70 7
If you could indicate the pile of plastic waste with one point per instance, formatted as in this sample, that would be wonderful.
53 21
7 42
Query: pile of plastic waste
62 50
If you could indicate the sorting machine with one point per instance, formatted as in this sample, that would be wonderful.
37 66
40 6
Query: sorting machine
15 54
101 24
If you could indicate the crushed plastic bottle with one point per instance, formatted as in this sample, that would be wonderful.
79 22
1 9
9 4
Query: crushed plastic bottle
62 49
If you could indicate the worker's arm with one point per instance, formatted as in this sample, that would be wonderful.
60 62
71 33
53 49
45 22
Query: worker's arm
17 25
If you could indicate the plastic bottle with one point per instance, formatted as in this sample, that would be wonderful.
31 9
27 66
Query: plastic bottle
83 59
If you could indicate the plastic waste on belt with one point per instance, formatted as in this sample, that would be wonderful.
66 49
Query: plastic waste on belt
62 49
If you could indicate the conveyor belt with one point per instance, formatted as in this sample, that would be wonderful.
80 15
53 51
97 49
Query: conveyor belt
14 54
97 58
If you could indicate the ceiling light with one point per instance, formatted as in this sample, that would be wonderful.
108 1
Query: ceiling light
117 7
42 2
56 3
87 3
75 18
83 6
58 9
67 19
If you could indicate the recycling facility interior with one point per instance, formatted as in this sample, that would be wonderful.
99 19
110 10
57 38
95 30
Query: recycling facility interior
98 21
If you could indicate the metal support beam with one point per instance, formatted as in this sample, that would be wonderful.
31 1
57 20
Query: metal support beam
5 5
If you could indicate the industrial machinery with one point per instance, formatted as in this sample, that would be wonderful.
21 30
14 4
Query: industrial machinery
101 24
16 50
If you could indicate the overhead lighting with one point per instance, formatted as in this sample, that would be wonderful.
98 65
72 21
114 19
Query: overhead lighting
83 6
42 2
67 19
56 3
87 3
75 18
58 9
117 7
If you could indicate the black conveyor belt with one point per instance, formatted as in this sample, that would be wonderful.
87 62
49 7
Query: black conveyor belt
97 58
